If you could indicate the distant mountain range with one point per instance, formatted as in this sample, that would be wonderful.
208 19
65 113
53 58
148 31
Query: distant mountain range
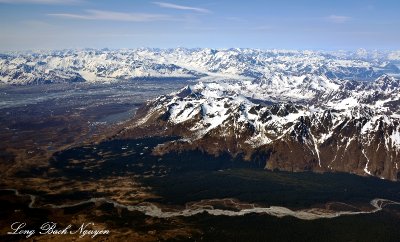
262 65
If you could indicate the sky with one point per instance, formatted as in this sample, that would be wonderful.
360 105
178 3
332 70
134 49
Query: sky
280 24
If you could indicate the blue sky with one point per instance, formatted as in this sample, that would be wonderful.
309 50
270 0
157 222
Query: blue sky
282 24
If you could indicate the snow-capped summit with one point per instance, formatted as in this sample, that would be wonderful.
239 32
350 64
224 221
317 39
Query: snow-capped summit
387 83
308 123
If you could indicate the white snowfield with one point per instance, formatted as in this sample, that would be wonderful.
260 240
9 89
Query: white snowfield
277 68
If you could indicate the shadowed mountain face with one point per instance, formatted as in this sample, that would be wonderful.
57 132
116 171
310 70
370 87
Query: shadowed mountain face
328 125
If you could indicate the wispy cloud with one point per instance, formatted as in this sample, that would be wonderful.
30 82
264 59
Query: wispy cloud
114 16
235 19
44 2
262 28
181 7
370 7
36 24
338 19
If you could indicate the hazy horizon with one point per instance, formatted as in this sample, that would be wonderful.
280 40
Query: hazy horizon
193 48
294 25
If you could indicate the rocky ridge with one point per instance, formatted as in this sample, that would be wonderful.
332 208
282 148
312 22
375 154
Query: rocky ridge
319 124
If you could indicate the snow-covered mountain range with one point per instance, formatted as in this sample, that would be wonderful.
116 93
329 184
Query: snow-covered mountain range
288 120
286 110
263 65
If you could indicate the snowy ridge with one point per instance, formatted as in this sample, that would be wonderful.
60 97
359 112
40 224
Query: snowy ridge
330 121
214 103
274 67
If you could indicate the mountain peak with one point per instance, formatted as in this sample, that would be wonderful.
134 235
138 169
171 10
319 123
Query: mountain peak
387 83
